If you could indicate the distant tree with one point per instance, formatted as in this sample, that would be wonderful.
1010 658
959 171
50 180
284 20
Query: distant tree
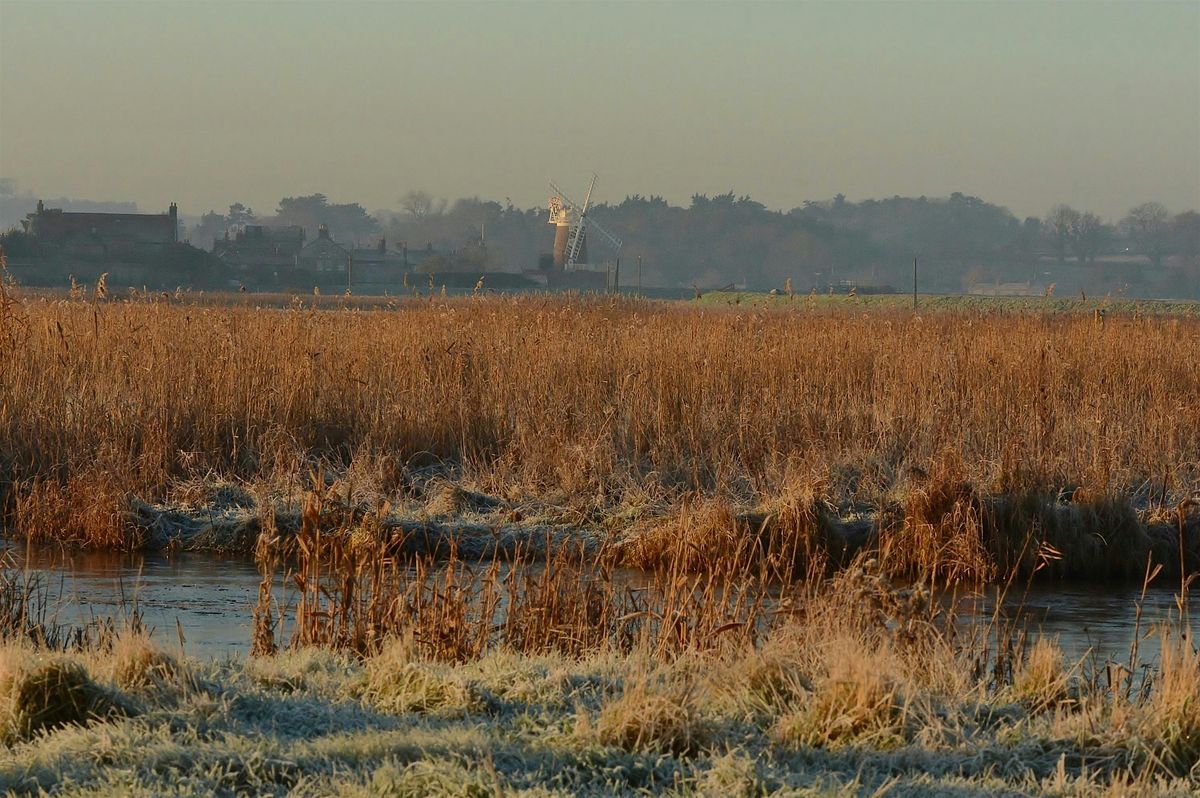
240 214
352 220
1087 237
1061 223
308 212
18 243
418 204
212 226
1031 234
1147 226
345 221
1185 235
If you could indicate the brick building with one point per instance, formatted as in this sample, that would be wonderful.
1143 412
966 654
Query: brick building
103 235
259 249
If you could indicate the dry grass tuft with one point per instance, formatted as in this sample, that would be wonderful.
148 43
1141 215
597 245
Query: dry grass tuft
448 501
654 718
139 665
87 508
40 692
397 682
1040 681
1170 722
856 702
940 534
789 538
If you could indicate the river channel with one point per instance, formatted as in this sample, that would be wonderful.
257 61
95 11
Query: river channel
209 599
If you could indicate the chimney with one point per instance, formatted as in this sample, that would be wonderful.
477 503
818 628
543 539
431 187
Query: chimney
322 231
41 207
173 212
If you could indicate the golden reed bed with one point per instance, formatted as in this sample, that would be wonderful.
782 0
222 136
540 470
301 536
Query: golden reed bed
619 414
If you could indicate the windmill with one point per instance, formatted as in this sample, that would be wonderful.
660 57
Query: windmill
571 226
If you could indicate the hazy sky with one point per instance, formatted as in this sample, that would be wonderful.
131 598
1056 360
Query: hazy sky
1024 104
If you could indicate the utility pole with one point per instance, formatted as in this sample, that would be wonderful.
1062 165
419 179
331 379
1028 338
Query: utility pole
617 277
914 283
349 266
639 276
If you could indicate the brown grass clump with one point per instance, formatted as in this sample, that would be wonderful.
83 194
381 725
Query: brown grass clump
856 702
1170 721
1040 680
39 693
688 540
359 586
787 539
139 665
397 682
89 507
657 719
940 534
448 501
760 683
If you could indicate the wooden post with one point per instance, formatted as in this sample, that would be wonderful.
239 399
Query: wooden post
914 283
639 276
617 277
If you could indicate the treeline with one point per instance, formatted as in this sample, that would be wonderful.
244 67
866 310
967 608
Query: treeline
728 238
16 203
961 240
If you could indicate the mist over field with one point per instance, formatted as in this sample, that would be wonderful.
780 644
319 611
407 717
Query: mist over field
1011 148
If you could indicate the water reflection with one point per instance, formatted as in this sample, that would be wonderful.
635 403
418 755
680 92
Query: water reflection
1097 621
211 598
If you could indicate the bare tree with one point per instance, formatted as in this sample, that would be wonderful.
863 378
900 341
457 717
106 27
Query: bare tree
1061 222
417 204
1147 226
1087 237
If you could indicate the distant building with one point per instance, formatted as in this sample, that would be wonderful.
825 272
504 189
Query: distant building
107 236
281 256
323 255
256 248
426 258
378 264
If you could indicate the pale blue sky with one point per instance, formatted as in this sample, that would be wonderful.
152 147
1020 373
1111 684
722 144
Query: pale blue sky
1025 104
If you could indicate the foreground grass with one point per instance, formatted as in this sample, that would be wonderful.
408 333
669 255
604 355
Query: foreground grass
835 712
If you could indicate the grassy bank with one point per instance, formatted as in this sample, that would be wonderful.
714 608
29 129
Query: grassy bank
873 694
956 436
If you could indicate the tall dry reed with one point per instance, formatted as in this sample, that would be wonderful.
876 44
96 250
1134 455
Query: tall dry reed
591 403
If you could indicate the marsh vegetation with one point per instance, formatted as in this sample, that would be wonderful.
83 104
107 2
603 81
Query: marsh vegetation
960 444
868 692
450 488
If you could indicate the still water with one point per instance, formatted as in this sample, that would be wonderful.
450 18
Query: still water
210 600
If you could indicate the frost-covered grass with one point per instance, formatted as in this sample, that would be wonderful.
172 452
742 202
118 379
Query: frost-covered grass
819 710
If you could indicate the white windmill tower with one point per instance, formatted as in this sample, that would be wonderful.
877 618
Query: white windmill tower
571 226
